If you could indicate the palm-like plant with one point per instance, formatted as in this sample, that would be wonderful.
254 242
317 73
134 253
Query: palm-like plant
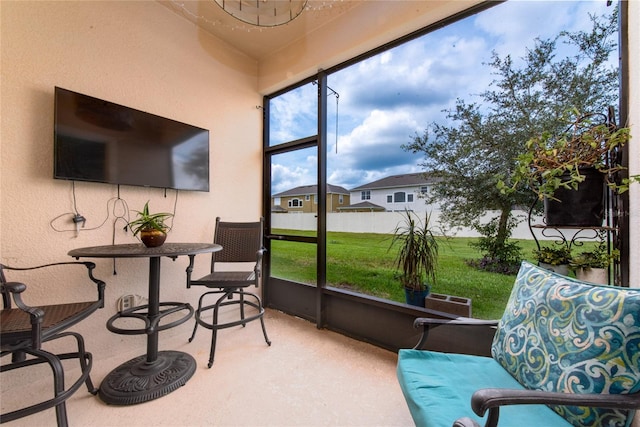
148 222
417 258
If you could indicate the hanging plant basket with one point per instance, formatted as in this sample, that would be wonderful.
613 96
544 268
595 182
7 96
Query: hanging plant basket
583 207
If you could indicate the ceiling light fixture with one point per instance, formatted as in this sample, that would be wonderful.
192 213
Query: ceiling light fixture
263 13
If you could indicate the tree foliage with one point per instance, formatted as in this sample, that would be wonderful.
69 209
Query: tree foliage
478 141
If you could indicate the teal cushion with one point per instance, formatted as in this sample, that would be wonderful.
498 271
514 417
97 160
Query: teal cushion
560 334
438 388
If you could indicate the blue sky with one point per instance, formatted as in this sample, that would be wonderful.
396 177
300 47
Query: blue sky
385 100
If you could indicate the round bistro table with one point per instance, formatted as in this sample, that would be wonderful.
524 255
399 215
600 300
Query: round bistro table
156 373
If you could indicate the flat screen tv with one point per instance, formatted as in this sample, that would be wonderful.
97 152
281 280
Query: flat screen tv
99 141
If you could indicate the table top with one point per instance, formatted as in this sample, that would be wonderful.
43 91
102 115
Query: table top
138 250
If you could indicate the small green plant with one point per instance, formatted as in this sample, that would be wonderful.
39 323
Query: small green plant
553 255
147 221
597 258
498 255
417 257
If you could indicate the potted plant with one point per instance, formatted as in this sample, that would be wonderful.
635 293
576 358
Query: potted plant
554 258
417 257
592 266
582 158
152 227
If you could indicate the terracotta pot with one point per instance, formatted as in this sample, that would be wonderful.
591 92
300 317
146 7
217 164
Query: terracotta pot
152 238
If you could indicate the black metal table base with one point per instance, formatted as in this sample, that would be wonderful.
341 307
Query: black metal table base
138 381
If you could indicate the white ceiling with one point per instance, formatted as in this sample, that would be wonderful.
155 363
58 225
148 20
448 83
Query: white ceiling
258 42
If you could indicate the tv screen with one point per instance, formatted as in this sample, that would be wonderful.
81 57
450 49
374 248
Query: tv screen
99 141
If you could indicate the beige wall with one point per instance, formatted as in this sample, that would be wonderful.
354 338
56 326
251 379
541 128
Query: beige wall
142 55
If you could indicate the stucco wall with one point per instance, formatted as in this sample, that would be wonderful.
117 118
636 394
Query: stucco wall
139 54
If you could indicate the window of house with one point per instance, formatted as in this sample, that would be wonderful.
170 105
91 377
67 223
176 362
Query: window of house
365 195
399 197
409 197
295 203
389 198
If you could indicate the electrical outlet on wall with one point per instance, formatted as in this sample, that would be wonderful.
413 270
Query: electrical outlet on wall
126 302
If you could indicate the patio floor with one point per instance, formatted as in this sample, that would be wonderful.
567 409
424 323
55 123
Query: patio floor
308 377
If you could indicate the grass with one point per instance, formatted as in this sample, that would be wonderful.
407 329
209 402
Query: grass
363 262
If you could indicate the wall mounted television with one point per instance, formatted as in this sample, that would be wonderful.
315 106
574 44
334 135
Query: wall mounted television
99 141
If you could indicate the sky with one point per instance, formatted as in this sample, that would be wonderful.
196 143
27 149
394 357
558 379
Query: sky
387 99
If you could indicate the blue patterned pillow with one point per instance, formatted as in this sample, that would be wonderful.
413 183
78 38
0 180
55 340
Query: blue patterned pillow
560 334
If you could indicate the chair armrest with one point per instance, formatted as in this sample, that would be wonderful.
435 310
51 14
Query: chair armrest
36 315
90 266
258 268
16 288
492 398
427 323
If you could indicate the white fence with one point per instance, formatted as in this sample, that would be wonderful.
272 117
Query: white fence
384 223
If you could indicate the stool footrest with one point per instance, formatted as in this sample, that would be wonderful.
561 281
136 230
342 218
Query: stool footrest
152 322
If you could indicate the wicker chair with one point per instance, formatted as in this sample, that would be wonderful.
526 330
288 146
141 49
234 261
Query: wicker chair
24 329
241 243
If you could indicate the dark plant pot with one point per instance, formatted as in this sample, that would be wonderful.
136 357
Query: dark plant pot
583 207
416 297
152 238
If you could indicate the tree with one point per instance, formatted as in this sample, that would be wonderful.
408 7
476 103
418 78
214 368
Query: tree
479 141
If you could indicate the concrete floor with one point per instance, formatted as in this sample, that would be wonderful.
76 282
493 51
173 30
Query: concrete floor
308 377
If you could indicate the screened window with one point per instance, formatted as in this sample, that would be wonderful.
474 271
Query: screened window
384 100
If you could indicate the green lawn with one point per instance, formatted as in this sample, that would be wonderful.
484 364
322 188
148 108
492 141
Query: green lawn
363 263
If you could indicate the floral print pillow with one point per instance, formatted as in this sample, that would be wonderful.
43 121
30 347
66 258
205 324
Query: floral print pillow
560 334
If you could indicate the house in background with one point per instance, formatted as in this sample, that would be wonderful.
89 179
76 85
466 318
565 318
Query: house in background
362 207
304 199
393 193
